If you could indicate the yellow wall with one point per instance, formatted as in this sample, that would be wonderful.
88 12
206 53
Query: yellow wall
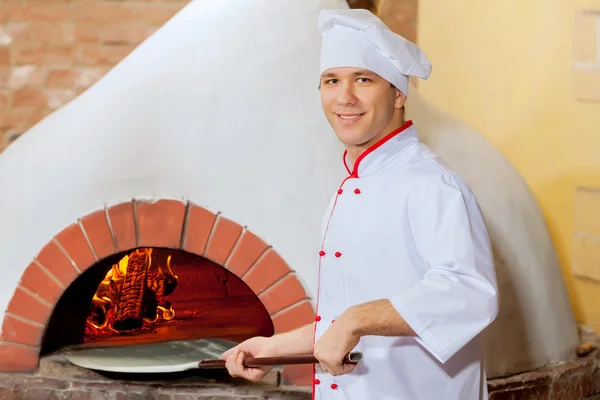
506 69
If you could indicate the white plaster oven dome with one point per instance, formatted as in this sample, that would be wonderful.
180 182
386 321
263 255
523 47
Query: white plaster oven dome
220 109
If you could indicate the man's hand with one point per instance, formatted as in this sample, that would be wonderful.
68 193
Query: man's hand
254 347
298 341
333 345
378 317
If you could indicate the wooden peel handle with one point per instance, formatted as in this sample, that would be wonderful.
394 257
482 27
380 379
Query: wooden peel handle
253 362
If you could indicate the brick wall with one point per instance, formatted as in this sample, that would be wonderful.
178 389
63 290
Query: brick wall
52 50
400 16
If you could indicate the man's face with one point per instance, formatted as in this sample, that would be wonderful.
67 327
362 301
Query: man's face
359 104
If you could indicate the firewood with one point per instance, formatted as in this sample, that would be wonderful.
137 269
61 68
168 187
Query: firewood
130 306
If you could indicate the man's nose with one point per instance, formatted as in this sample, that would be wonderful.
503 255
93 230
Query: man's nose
346 95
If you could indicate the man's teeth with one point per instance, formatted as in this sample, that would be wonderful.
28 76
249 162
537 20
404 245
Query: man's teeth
350 116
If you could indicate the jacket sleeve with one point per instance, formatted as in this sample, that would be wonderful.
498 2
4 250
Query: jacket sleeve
457 296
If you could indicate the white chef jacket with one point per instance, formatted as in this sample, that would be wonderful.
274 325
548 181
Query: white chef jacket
404 226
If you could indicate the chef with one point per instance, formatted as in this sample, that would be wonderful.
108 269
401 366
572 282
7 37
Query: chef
405 268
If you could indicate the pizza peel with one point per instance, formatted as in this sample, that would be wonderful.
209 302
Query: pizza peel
174 356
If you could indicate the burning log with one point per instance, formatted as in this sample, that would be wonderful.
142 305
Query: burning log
162 284
130 306
132 293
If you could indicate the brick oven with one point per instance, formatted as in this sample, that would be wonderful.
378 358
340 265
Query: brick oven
140 272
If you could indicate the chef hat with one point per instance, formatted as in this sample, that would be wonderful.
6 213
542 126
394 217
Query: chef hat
357 38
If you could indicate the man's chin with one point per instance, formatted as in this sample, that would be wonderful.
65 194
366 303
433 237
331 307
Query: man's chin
353 140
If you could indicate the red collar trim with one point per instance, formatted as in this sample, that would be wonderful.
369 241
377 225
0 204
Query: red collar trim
354 172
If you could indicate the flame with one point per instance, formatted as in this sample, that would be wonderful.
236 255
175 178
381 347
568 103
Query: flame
160 282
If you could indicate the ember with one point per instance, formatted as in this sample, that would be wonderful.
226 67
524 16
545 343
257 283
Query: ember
133 293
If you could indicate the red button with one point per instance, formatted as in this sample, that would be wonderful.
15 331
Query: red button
357 191
317 318
334 386
317 381
338 254
340 191
321 253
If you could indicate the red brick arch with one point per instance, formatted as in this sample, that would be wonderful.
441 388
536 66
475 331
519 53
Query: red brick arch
163 223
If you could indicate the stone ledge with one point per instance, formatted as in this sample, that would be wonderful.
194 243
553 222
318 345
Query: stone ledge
575 380
58 379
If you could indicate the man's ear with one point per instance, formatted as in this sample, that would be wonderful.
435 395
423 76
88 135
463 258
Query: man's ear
400 99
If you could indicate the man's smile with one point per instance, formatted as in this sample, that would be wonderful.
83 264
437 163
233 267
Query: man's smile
349 119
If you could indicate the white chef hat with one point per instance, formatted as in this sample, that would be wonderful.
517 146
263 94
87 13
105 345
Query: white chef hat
358 38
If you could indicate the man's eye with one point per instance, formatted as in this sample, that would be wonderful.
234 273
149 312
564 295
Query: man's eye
331 81
364 80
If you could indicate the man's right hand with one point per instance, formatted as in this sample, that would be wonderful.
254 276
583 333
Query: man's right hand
254 347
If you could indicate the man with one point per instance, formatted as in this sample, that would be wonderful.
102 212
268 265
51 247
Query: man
405 270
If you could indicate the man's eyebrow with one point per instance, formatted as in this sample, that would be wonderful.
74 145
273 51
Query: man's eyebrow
328 75
361 72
